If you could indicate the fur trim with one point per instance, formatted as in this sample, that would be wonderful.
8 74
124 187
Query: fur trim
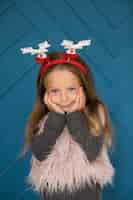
68 166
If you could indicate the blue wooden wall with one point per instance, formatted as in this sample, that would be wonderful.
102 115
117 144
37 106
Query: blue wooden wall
108 23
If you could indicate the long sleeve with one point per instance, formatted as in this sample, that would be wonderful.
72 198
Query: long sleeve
77 125
43 143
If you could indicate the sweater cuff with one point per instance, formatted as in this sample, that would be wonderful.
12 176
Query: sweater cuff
75 119
55 120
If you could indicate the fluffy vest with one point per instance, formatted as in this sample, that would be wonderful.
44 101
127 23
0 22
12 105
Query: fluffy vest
68 166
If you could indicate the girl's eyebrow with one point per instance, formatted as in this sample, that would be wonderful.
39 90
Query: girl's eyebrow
59 88
51 89
70 86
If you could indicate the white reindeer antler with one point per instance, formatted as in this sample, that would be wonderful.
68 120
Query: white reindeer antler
41 51
72 47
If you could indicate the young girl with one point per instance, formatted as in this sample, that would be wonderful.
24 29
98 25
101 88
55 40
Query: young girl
69 130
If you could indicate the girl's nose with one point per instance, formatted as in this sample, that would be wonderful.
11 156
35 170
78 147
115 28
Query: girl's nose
64 97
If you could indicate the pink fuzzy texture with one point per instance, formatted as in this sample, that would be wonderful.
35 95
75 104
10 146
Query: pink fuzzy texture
67 165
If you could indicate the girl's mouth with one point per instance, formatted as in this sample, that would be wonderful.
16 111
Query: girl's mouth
67 106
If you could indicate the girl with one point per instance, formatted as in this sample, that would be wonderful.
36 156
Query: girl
69 131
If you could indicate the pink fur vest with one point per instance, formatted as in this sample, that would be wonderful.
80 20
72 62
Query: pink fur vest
67 165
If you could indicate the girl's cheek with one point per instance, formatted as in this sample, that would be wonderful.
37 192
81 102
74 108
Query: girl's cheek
54 98
74 95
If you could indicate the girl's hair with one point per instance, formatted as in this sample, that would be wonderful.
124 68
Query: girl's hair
96 111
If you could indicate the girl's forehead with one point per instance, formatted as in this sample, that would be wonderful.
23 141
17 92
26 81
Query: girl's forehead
63 78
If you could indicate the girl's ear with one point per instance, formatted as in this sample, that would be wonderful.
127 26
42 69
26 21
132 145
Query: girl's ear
101 112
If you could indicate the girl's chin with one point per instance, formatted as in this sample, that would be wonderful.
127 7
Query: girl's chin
65 109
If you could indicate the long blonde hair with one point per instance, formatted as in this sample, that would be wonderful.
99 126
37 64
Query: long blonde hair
96 111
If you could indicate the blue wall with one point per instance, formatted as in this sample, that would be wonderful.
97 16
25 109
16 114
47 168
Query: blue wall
28 22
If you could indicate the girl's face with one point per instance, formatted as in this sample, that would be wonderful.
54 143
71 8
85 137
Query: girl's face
62 85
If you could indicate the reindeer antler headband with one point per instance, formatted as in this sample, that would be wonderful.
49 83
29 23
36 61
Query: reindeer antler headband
69 55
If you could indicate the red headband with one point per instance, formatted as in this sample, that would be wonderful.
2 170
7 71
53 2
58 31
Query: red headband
67 58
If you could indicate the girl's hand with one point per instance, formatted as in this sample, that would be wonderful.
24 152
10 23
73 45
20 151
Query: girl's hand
80 102
52 106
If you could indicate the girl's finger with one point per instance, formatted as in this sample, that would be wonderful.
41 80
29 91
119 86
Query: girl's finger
50 103
45 98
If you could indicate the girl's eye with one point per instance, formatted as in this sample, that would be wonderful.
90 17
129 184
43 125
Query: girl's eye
72 88
54 91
